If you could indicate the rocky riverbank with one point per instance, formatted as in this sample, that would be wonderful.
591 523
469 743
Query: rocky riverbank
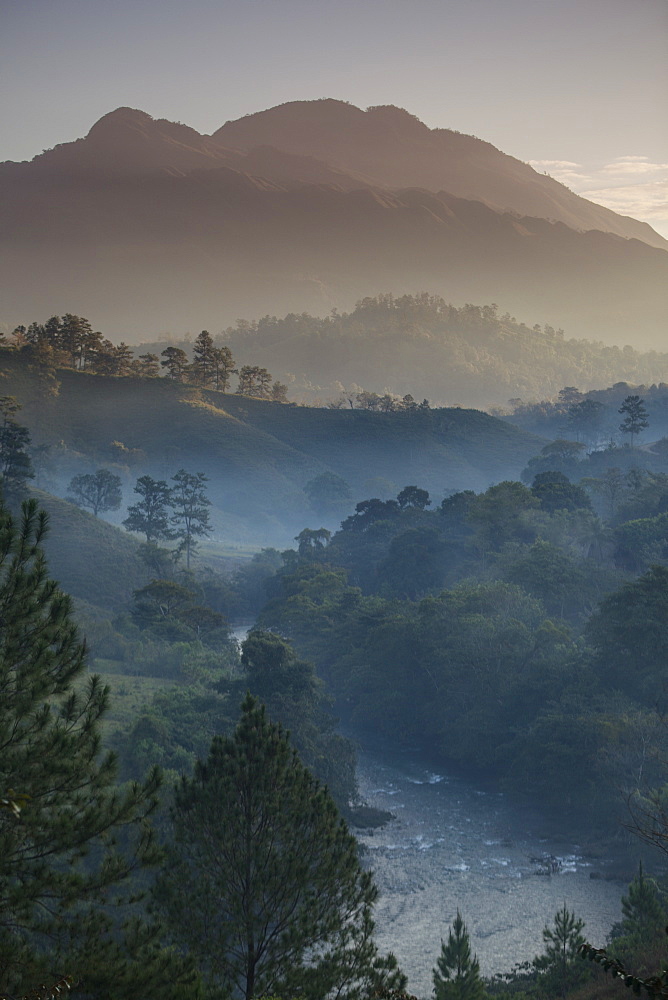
454 846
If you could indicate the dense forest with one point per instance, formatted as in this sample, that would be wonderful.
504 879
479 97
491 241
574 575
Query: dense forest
468 356
515 630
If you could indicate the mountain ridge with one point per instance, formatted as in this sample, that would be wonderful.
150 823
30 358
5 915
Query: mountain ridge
196 232
384 146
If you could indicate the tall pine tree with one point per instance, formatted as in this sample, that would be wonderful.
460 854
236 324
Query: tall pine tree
559 965
61 873
641 932
265 886
457 973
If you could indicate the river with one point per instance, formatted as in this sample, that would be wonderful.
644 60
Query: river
454 845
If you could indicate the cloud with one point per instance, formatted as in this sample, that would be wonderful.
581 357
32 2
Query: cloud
564 171
633 165
643 201
631 184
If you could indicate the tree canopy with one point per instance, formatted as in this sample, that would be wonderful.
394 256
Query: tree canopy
282 901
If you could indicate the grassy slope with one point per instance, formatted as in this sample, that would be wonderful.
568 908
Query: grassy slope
438 449
258 455
91 559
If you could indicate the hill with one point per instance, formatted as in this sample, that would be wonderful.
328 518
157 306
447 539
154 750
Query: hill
471 356
422 345
258 455
193 231
92 560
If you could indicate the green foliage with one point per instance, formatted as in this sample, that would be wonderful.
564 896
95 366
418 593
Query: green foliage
655 986
94 560
413 496
641 931
635 416
295 698
312 543
556 492
558 968
173 730
282 901
328 494
150 515
457 972
15 464
170 611
190 505
60 865
630 638
100 491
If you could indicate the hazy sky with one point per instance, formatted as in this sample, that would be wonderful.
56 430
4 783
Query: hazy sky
577 87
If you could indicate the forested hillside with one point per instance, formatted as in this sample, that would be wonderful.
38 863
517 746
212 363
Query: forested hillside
249 448
420 344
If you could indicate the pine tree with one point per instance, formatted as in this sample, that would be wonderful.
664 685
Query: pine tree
176 364
635 416
457 974
223 368
559 964
190 504
265 885
59 866
644 916
203 359
15 465
150 514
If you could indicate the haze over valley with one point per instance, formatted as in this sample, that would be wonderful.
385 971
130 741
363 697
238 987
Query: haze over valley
333 500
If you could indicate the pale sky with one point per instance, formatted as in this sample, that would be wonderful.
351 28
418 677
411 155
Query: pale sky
579 88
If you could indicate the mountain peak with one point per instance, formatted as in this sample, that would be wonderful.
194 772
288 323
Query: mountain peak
120 118
397 118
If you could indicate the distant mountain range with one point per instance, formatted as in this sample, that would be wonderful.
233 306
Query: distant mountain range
147 226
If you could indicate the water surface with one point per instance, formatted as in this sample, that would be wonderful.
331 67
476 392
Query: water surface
454 845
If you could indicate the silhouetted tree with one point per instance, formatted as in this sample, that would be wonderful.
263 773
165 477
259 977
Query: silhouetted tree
413 496
146 366
99 491
203 359
283 903
150 515
176 364
635 419
457 972
15 465
190 505
223 368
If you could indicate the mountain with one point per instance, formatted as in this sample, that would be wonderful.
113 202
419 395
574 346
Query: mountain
147 225
395 149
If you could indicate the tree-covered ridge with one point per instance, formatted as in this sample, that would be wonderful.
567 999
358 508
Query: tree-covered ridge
593 417
422 345
249 448
70 342
383 351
